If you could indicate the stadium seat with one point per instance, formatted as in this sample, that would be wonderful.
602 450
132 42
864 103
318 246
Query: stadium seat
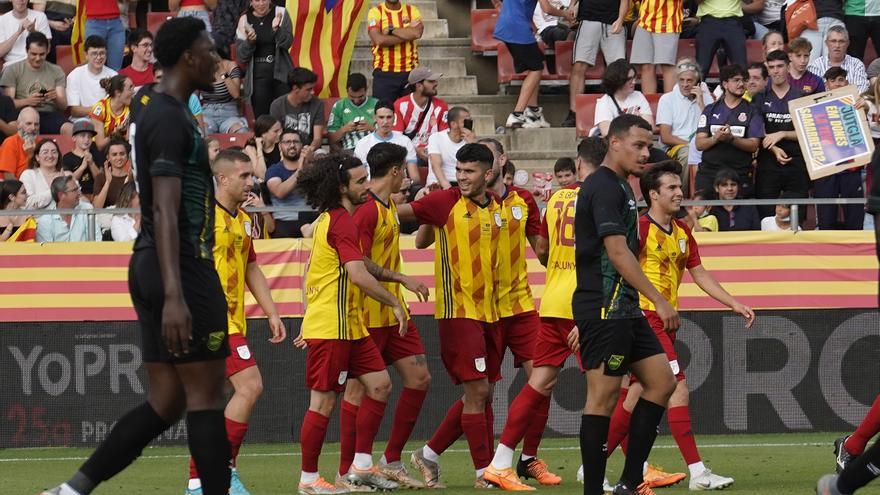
64 58
586 110
482 26
754 51
229 140
155 19
65 143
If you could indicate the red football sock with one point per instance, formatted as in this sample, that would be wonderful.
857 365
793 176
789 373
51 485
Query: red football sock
369 419
536 429
450 429
519 416
348 414
193 472
619 427
405 415
311 439
235 432
680 425
490 428
869 427
624 444
474 427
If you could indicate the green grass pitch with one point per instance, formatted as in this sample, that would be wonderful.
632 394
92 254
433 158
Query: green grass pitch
761 464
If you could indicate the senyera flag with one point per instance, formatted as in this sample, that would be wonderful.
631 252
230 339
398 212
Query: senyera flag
78 35
26 232
324 33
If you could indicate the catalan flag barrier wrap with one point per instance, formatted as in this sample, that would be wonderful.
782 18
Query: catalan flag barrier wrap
781 270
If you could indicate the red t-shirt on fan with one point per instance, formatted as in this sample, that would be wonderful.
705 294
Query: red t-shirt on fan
139 78
102 9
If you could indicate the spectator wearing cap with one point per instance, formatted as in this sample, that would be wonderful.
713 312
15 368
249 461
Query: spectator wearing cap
81 161
394 28
15 26
263 38
17 149
299 109
385 133
837 43
421 114
84 82
66 228
443 146
34 82
733 217
352 118
678 115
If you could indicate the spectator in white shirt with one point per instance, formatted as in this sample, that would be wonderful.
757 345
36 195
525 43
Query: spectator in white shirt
384 116
678 114
15 25
443 146
66 228
780 221
549 29
619 84
84 82
125 227
837 43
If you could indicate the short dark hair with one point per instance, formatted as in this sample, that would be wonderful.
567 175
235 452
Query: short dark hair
263 123
175 36
300 76
383 156
383 104
494 142
778 56
761 67
621 125
476 152
724 175
9 187
616 75
95 41
650 180
508 168
37 38
229 155
592 150
288 130
834 73
564 164
138 35
115 141
455 112
728 72
356 81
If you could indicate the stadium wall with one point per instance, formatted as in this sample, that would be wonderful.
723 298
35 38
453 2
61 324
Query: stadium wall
797 370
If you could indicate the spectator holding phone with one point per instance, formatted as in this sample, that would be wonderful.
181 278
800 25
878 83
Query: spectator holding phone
352 118
443 146
34 82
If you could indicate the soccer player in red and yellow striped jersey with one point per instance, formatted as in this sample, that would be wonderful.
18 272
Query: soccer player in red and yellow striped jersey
394 29
527 415
333 328
236 264
467 224
668 249
380 240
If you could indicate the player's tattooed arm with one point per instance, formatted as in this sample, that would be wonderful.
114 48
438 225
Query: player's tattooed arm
385 275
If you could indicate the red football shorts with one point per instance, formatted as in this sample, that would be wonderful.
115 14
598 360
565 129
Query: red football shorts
551 344
392 346
470 349
240 357
518 334
667 341
329 363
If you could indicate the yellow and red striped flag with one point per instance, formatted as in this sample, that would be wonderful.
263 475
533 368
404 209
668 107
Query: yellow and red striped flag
26 232
78 35
324 34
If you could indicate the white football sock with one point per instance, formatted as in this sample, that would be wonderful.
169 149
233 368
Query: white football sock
503 457
696 468
429 454
194 483
362 461
306 478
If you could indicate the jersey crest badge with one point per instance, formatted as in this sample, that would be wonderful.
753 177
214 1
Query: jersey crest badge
682 245
243 352
498 219
702 122
343 375
247 229
742 117
479 364
517 212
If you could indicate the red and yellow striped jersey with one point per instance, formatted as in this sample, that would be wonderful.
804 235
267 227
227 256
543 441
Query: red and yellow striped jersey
661 16
402 57
101 111
664 256
465 257
334 305
233 250
380 240
558 229
519 219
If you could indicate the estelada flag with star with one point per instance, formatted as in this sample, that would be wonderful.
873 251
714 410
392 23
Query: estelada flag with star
324 35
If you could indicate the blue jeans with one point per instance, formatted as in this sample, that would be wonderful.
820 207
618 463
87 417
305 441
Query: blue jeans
113 32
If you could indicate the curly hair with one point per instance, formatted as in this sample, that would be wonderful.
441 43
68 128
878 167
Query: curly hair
321 181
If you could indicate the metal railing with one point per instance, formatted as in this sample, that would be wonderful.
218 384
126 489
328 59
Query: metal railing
93 213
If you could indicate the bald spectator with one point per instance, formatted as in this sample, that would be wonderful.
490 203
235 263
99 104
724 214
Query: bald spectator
17 149
15 26
66 228
34 82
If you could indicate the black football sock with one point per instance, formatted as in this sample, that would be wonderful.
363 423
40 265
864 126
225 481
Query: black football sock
642 433
593 437
860 471
124 444
210 449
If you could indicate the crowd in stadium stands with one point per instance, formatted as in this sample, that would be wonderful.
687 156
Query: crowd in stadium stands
735 142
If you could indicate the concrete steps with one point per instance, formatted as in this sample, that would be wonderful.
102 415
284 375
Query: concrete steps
448 66
449 86
434 28
428 48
